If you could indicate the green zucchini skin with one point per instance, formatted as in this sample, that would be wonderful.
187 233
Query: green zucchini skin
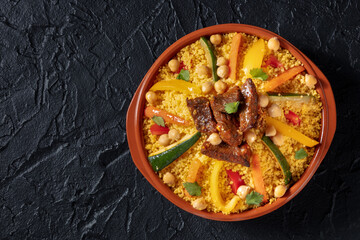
280 157
209 48
161 160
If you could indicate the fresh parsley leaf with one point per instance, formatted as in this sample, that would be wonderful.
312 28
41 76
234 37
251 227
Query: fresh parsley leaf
231 107
254 198
192 188
158 120
259 73
184 75
301 154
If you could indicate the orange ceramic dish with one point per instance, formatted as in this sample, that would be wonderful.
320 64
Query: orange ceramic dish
136 111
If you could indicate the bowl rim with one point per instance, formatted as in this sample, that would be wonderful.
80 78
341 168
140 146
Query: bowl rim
136 108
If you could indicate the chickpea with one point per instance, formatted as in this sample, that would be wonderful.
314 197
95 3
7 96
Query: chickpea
270 131
164 140
174 134
174 65
280 191
220 86
199 204
207 87
278 139
250 136
169 179
222 61
151 97
214 139
274 44
274 110
242 191
223 71
203 70
263 100
215 39
310 80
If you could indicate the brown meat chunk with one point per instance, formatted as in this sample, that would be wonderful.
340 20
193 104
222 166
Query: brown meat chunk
232 95
249 113
202 115
227 124
240 155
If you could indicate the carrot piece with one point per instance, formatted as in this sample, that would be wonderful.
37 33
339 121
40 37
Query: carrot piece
282 78
234 52
192 174
168 117
257 176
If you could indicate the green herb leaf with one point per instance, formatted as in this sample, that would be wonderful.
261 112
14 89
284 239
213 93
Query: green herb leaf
301 154
259 73
192 188
184 75
254 198
231 107
158 120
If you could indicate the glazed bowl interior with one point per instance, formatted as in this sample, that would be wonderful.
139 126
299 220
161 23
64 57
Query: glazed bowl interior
134 122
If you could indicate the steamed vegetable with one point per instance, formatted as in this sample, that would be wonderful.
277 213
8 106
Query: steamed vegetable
285 167
286 130
296 97
282 78
158 130
210 56
192 174
160 160
236 180
226 208
293 118
176 85
254 57
257 177
234 53
151 111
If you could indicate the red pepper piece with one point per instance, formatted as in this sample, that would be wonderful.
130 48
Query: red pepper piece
158 130
236 180
274 62
293 118
181 66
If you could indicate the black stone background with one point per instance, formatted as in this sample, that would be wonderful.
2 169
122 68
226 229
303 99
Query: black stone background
68 70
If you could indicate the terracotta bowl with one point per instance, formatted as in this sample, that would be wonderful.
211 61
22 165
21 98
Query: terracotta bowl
135 112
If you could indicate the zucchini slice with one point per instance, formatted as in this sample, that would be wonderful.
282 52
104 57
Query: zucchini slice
282 97
161 159
210 56
280 158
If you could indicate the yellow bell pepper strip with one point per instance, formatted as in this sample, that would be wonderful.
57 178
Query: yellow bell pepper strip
176 85
257 176
215 191
286 130
192 174
234 53
151 111
282 78
254 57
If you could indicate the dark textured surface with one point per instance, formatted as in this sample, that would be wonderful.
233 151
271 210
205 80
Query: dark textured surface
67 74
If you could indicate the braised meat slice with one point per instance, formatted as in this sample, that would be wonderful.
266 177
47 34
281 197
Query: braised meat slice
202 115
227 124
249 113
228 153
232 95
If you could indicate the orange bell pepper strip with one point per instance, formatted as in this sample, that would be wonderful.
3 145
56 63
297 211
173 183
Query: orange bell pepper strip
192 174
289 131
254 57
151 111
257 176
176 85
234 53
282 78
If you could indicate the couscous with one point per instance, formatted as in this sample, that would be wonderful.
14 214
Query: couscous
232 122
